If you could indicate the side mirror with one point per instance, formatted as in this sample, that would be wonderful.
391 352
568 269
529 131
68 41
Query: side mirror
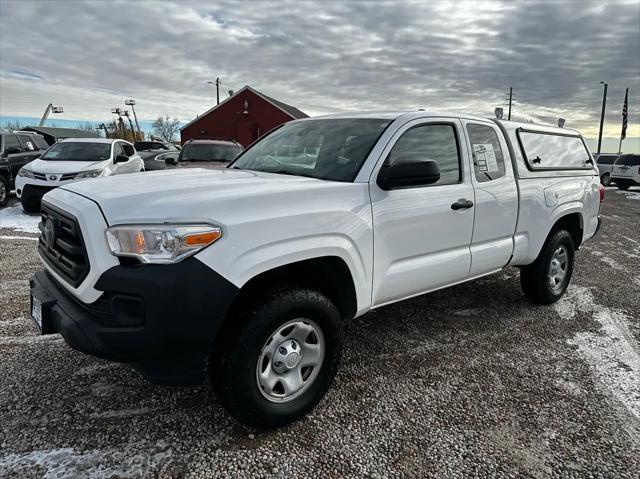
407 174
13 149
121 159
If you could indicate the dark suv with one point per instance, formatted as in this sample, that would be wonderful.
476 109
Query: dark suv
17 148
205 154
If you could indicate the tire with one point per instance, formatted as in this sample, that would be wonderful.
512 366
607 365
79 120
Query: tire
30 206
4 191
536 279
622 186
605 179
236 370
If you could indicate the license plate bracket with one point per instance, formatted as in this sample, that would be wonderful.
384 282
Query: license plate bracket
40 308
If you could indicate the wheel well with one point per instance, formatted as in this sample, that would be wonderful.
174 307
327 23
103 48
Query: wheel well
572 223
329 275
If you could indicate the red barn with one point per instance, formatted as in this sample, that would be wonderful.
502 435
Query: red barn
243 117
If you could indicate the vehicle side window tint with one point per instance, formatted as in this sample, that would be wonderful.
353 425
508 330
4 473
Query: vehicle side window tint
128 149
11 141
437 142
554 151
27 143
40 142
488 160
117 150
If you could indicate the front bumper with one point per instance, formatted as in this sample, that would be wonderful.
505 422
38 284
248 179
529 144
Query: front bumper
161 318
32 193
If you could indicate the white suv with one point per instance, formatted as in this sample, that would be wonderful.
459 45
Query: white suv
72 160
249 272
626 171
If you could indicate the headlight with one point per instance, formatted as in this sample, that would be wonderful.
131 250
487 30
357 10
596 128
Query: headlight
26 173
88 174
160 243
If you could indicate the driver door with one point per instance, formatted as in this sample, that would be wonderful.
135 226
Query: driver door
421 243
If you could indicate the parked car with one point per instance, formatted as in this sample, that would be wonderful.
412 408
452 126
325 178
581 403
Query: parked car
205 154
161 160
626 171
249 272
605 165
16 150
149 151
71 160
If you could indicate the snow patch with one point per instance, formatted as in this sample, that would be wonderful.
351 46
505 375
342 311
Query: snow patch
67 463
16 219
468 312
122 413
630 195
31 238
612 353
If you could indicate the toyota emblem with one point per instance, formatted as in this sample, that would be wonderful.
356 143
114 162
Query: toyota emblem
52 177
49 232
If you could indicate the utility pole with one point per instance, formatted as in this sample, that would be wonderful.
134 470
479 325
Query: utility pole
510 99
131 103
217 83
604 105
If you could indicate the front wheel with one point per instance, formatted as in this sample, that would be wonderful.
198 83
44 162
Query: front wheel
605 179
546 279
282 361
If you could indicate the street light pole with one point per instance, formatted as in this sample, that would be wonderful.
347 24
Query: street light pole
604 105
217 83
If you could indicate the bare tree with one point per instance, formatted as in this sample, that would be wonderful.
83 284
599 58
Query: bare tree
166 128
14 125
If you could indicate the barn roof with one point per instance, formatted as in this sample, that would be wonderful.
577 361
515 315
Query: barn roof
62 132
293 112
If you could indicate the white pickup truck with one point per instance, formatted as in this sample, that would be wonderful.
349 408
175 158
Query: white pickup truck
248 273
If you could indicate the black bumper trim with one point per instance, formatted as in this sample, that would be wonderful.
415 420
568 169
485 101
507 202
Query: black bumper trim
35 192
184 305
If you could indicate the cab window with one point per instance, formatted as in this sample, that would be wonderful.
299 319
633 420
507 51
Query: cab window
11 141
128 149
488 160
437 142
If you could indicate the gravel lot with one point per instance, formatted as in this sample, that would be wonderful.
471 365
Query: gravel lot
472 381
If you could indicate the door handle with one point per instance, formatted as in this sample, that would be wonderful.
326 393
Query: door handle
462 204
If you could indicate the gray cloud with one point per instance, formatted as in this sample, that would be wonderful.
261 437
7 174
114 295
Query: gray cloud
324 57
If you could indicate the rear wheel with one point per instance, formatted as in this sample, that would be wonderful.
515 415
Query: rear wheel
622 185
283 359
546 279
4 191
605 179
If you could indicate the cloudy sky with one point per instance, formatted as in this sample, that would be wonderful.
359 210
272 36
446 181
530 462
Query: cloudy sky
324 57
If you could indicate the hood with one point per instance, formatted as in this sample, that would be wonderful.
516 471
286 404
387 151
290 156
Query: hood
190 194
47 166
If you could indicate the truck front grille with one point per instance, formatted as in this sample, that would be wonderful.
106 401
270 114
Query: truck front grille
61 245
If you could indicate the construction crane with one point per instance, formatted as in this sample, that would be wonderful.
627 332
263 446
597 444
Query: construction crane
50 109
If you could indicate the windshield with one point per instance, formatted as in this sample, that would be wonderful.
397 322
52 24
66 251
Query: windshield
325 149
628 160
209 152
80 151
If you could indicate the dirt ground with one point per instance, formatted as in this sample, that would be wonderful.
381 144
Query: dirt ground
472 381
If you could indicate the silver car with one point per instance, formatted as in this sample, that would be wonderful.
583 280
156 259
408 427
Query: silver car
605 165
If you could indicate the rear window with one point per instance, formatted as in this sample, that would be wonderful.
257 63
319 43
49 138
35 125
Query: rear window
209 152
548 151
149 145
628 160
